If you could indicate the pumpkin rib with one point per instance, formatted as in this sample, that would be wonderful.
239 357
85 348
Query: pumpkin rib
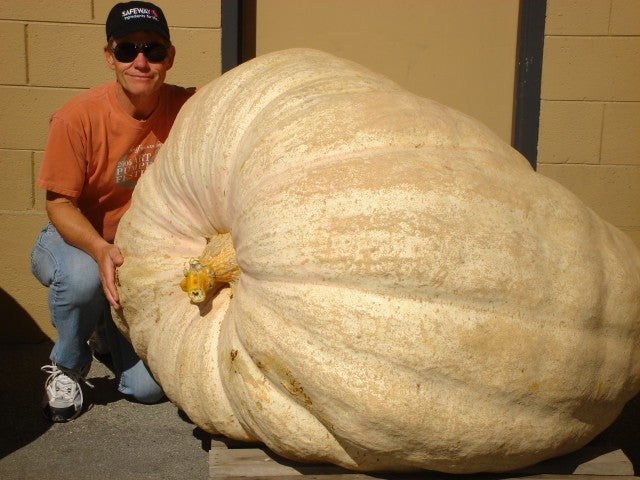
277 178
425 291
438 299
312 159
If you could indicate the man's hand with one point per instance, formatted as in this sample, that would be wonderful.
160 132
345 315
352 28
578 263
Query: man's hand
109 258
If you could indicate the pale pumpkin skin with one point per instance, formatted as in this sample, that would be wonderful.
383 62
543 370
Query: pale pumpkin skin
411 294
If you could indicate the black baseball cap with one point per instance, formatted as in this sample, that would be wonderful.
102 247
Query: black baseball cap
129 17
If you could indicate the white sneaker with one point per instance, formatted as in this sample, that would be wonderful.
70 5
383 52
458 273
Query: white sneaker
63 395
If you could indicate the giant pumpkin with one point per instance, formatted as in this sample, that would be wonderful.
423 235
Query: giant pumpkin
374 279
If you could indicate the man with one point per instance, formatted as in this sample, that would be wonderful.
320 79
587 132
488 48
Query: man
99 144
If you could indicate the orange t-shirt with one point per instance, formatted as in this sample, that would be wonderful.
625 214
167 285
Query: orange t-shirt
96 151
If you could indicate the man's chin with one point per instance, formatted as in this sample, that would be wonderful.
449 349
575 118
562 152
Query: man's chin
140 91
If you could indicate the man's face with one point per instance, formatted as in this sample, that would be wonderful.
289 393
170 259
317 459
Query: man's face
140 77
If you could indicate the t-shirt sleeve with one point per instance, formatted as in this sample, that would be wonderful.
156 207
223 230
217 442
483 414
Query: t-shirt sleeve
64 164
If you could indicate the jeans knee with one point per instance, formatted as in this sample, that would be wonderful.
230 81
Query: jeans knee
138 383
71 271
85 288
150 394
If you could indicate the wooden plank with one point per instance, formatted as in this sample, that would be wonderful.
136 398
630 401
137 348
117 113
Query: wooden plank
229 460
361 476
611 463
442 477
260 461
591 460
245 462
347 476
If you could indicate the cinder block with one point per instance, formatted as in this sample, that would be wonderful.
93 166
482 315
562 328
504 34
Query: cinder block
75 59
570 132
591 68
611 191
25 115
577 17
186 13
16 192
13 64
17 234
67 11
621 134
39 193
625 17
198 57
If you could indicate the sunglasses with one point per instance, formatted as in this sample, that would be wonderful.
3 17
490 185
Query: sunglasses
126 52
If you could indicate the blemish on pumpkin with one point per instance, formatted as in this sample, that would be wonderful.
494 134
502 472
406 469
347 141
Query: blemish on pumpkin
534 387
295 389
234 354
600 388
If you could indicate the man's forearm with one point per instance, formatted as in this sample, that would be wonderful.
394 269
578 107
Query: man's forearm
74 227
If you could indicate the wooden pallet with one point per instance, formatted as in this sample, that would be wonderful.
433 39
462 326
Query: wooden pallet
230 460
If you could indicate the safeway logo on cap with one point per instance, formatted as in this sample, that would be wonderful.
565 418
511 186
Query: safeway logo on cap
134 13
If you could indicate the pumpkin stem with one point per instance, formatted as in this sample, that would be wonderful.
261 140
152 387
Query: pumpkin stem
216 265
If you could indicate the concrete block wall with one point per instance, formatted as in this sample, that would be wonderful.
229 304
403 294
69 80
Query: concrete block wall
590 105
50 51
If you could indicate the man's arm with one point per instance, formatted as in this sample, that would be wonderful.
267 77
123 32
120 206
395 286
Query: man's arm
76 230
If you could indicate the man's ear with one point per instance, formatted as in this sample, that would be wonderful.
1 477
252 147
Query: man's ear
108 55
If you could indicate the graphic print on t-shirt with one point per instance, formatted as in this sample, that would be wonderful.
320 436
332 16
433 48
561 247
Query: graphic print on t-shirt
131 165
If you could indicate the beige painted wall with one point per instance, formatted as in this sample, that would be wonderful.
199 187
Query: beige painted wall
459 52
590 111
49 52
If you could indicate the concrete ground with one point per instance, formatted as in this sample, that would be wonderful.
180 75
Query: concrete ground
113 439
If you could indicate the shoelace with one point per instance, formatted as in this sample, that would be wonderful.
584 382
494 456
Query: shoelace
54 371
66 388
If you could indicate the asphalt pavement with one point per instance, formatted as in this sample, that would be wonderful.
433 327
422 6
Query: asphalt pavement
113 439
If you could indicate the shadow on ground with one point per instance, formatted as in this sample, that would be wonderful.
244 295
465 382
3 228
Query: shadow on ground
21 380
21 383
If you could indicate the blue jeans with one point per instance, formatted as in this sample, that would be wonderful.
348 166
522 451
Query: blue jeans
77 303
